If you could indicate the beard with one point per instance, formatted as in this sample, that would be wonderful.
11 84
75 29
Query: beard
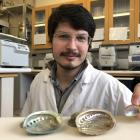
69 66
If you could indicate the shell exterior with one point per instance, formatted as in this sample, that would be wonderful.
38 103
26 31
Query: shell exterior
95 122
71 121
42 122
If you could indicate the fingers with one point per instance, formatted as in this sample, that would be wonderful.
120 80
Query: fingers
135 99
138 116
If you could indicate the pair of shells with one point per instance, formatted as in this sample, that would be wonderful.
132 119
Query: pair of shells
89 122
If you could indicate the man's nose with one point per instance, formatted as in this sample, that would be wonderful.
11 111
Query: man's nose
72 43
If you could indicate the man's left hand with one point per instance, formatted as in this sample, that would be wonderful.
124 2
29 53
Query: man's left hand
136 97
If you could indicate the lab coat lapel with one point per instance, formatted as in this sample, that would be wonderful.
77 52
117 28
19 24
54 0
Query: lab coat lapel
50 95
79 89
71 99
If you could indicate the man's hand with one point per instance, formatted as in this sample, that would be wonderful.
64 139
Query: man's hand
136 97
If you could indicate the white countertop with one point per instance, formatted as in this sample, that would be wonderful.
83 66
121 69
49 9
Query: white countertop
125 129
14 70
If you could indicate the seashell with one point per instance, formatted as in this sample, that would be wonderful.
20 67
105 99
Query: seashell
95 122
71 121
42 122
132 110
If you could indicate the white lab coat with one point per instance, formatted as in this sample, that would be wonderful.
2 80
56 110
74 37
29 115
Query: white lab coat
96 89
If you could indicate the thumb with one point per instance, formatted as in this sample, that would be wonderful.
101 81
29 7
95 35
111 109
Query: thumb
135 99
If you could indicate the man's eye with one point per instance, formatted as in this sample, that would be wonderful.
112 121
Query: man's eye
81 38
64 37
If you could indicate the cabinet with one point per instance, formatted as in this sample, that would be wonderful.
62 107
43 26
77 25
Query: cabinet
117 21
114 19
99 10
39 28
39 24
80 2
121 21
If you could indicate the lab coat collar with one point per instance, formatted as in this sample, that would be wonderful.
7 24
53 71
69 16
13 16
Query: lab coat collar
86 78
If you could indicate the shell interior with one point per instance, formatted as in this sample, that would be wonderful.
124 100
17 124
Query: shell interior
132 110
95 122
42 122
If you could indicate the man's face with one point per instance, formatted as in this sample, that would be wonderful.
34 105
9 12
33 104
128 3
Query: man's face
70 46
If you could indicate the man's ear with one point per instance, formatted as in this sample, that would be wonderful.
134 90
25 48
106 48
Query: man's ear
90 45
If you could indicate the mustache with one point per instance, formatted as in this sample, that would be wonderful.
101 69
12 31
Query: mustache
70 53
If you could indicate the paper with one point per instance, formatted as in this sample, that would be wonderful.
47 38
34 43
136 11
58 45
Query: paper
138 30
95 45
118 33
39 39
99 34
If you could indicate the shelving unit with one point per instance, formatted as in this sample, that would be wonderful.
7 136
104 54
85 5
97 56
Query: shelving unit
22 10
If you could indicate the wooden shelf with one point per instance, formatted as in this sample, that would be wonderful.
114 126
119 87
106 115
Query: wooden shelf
16 9
99 17
121 14
40 25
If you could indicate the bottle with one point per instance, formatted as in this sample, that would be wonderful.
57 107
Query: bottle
20 30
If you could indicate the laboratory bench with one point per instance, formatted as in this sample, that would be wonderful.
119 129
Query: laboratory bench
123 73
7 76
15 84
115 73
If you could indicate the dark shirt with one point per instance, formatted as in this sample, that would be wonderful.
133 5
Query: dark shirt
62 96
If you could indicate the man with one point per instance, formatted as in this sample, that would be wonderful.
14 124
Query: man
70 83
